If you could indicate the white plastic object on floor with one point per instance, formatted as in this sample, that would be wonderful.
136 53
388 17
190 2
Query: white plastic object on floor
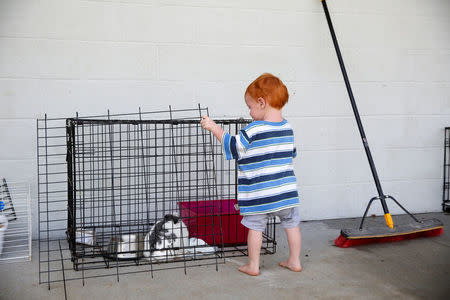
16 239
3 227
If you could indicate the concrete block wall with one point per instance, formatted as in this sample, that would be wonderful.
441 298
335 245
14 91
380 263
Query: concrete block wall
65 56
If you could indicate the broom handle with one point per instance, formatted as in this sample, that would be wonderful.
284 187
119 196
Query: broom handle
387 215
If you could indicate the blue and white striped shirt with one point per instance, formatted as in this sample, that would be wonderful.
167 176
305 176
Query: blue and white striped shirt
266 180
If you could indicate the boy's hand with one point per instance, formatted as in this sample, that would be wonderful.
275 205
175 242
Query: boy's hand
208 124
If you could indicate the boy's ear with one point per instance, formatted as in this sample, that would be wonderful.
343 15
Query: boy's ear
261 102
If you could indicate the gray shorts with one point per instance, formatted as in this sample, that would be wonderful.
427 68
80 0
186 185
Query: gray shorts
289 217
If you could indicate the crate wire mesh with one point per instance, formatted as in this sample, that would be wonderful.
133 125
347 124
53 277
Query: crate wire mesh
446 185
15 234
106 183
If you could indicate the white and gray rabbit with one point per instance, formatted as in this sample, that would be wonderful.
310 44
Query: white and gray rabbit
167 239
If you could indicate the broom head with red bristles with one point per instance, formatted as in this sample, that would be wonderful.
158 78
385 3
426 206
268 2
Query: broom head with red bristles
379 233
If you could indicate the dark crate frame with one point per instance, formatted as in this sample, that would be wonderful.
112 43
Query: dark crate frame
446 177
60 257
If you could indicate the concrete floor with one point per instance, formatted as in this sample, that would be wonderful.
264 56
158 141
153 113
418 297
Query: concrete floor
413 269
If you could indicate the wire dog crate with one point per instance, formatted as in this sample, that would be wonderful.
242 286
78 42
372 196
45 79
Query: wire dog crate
446 185
132 193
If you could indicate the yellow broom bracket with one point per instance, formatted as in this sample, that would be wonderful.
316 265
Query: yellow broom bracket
389 221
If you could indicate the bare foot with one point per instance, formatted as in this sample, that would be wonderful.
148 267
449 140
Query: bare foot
292 267
248 270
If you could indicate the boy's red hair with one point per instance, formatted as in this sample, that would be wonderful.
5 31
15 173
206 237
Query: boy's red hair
269 87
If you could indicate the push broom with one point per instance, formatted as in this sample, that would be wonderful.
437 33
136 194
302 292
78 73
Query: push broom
377 233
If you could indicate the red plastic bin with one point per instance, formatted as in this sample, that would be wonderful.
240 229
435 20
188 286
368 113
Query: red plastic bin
203 219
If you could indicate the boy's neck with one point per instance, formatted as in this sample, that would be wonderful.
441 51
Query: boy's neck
273 115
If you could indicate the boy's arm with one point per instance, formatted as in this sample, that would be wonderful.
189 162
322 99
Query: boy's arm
208 124
233 147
